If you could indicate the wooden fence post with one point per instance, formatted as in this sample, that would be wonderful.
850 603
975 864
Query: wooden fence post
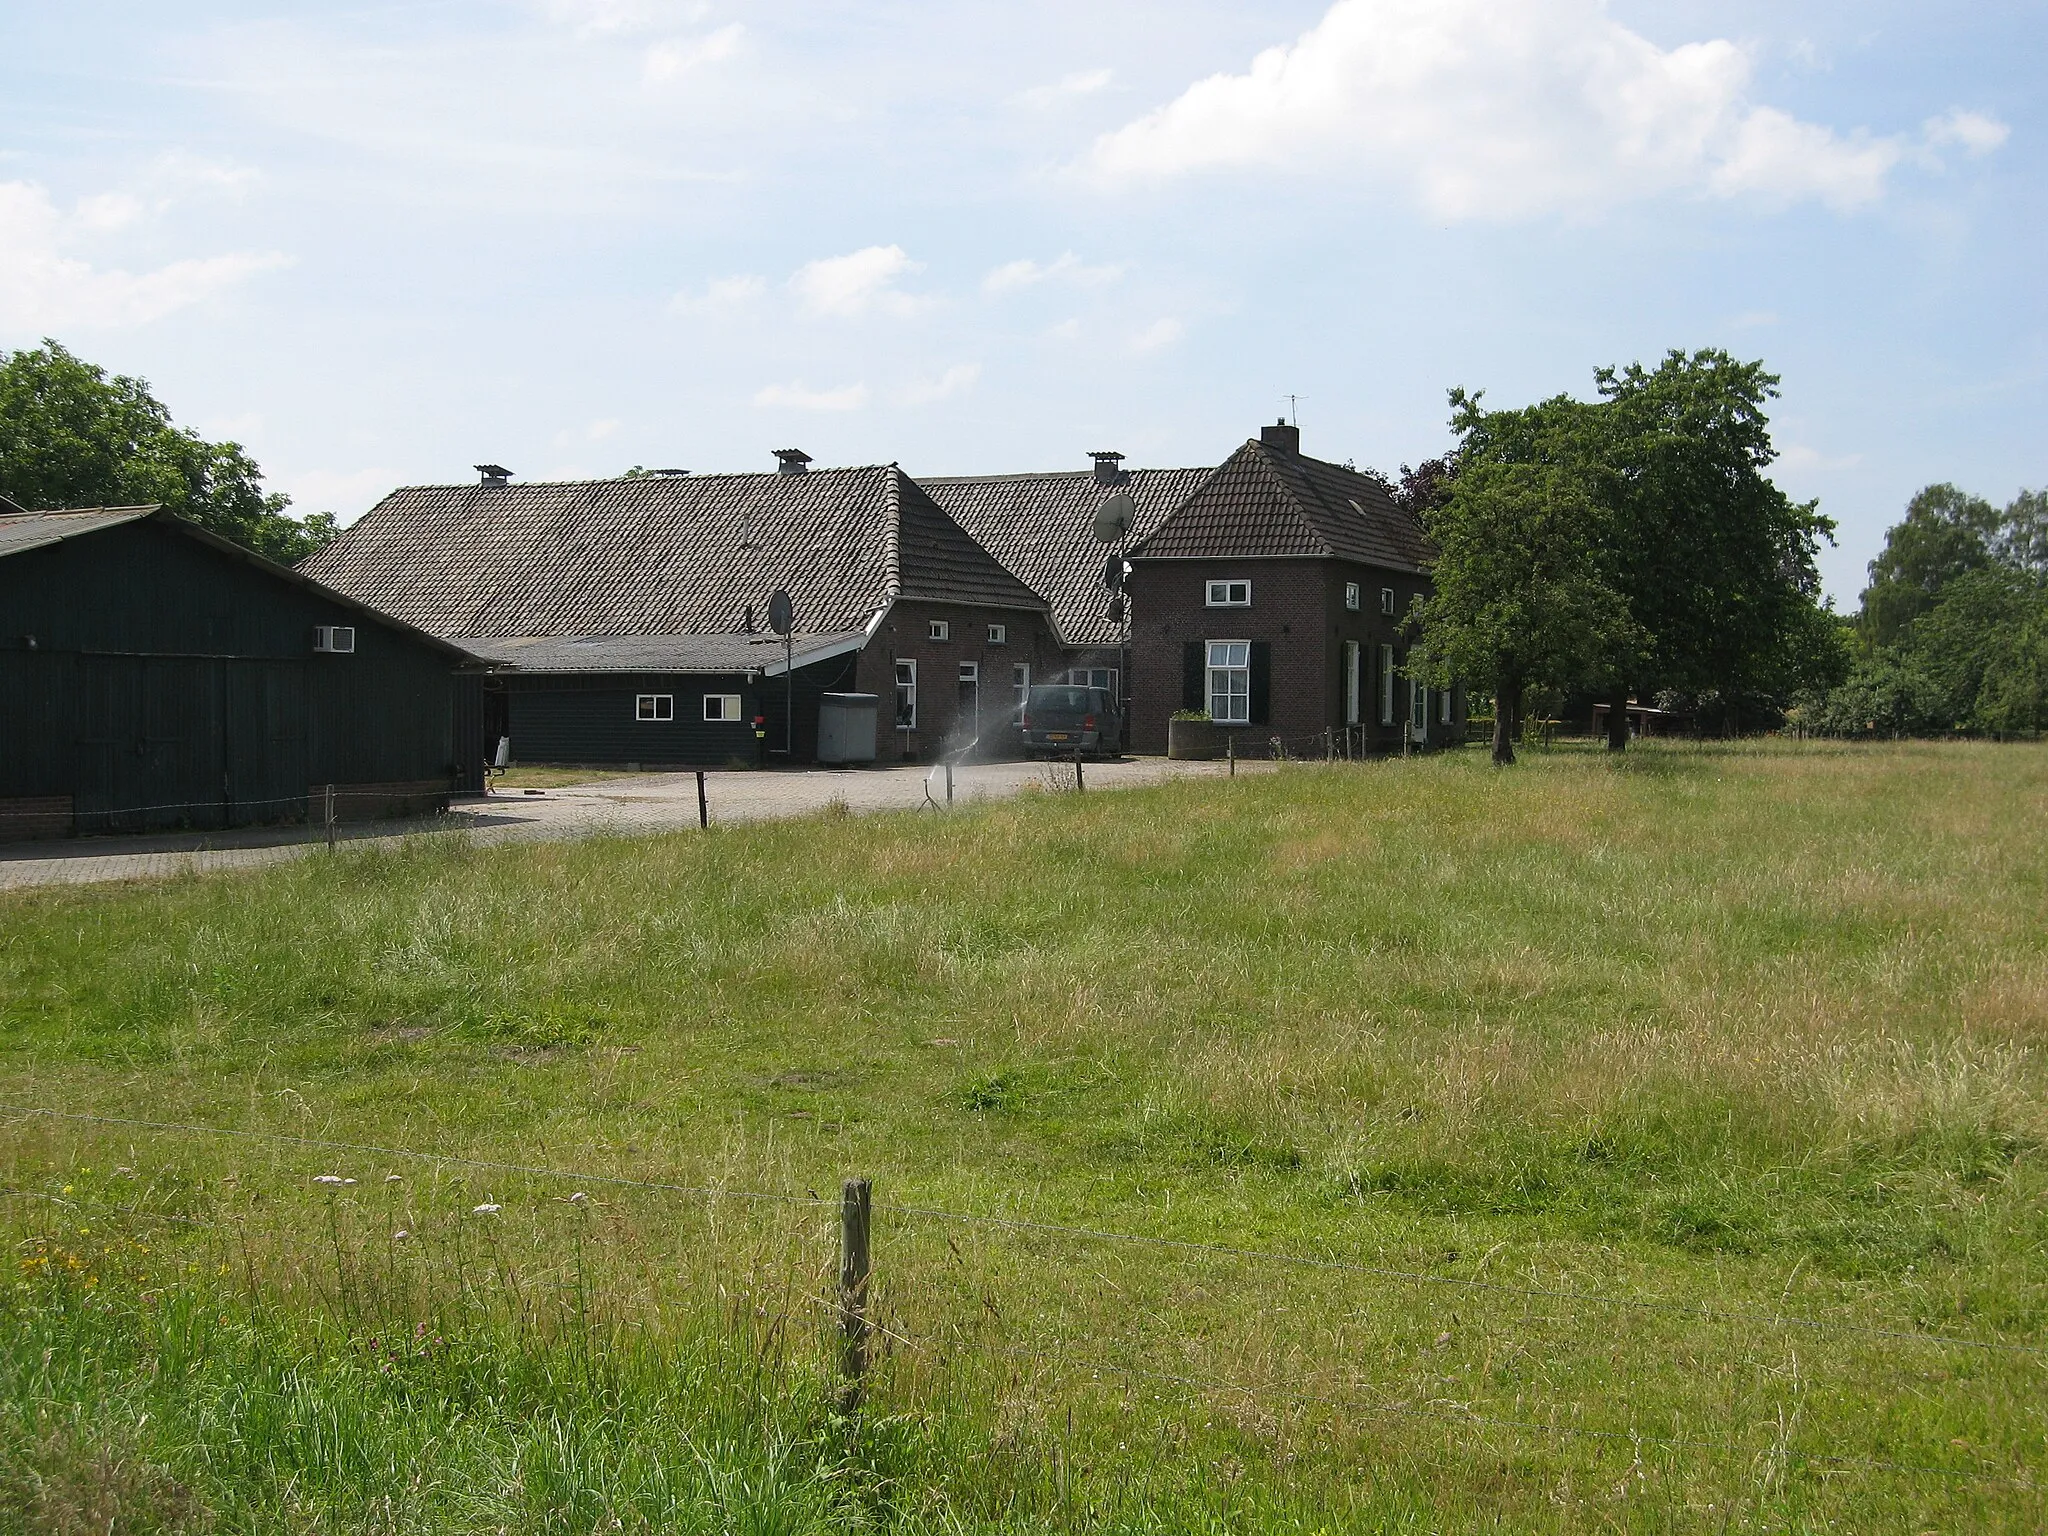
949 781
703 805
1230 753
1080 783
330 818
855 1207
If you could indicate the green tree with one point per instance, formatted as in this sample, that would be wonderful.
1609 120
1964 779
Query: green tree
1945 533
1719 566
71 435
1519 601
2022 537
1985 645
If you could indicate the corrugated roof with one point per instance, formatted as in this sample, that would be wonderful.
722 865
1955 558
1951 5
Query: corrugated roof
660 555
23 531
1266 501
1042 527
662 653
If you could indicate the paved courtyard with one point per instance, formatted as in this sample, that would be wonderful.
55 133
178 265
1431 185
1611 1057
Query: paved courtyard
653 802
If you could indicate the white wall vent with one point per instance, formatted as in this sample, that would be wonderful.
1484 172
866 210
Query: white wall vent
338 639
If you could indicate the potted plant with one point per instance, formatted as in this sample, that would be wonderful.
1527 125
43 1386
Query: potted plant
1191 736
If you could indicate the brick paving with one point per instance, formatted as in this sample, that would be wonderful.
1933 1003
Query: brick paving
647 803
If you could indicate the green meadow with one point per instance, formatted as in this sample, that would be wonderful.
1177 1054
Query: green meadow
1652 1143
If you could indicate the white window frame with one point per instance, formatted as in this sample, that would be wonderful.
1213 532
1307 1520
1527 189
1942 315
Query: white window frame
906 693
1020 686
970 672
1386 685
1418 708
654 708
1228 678
939 629
1109 679
1228 592
722 708
1387 601
1353 598
999 634
1354 663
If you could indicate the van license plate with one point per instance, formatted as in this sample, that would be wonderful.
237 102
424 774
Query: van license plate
1055 735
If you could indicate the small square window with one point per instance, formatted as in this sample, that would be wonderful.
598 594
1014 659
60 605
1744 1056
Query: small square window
721 706
999 634
654 706
1351 598
1387 600
970 672
1230 594
939 630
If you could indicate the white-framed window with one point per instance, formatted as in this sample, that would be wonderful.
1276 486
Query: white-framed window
939 630
1230 681
1418 707
970 671
1020 685
906 695
654 706
1093 677
1230 594
1351 596
1386 685
721 706
1386 600
999 634
1443 706
1354 661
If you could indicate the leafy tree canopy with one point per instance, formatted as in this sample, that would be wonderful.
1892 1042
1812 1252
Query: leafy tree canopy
71 435
1944 533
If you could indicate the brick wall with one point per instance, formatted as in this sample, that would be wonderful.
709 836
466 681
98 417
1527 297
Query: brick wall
1298 608
941 725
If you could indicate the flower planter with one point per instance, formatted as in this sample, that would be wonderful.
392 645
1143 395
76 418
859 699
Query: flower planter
1196 741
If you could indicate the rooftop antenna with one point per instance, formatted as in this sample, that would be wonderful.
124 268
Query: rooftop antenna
1293 409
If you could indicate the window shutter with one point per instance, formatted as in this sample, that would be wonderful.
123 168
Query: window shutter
1194 676
1262 681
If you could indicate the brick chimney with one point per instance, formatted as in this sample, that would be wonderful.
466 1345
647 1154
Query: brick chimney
792 461
1280 435
1107 470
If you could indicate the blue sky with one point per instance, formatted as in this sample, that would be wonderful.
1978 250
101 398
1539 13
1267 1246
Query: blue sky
377 243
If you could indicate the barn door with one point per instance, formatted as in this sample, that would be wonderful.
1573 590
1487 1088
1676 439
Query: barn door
265 741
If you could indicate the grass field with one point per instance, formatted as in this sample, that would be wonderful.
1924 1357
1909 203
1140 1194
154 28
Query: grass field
1646 1117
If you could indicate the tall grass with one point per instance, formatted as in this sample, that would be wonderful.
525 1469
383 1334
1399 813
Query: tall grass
1744 1030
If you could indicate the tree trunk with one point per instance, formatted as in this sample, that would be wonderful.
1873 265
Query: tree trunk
1507 695
1617 719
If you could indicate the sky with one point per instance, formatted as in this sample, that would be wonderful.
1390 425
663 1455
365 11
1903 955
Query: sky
379 243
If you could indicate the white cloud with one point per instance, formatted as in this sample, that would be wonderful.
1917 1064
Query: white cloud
1068 267
1800 456
1972 131
853 284
42 288
956 380
1501 109
801 397
675 58
1160 333
1084 82
719 295
612 18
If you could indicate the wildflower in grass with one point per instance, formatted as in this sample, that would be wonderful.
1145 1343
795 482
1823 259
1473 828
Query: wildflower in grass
487 1209
401 1235
579 1198
394 1178
331 1178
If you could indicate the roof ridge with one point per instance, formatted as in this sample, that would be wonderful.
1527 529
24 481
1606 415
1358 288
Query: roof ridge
684 479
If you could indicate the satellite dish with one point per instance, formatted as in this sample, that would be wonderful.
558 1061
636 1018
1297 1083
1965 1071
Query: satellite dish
781 612
1114 517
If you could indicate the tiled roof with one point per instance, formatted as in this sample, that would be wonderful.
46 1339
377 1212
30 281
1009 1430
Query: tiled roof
1042 527
662 653
653 555
23 531
1266 501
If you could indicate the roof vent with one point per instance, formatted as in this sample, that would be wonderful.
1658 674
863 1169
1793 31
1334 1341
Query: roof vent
494 474
791 461
670 474
1280 435
1106 470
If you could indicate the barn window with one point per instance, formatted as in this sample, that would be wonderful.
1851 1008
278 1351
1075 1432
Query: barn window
721 706
999 634
940 630
654 706
906 695
1230 681
1230 594
1020 685
1386 600
1386 685
1351 598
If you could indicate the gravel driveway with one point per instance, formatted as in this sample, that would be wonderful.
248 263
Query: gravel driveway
653 802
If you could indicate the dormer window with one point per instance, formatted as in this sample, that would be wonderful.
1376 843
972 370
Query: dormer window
1230 594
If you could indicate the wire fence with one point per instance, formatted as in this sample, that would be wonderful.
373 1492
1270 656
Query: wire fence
1068 1351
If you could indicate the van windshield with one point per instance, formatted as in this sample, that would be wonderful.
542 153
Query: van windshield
1077 699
